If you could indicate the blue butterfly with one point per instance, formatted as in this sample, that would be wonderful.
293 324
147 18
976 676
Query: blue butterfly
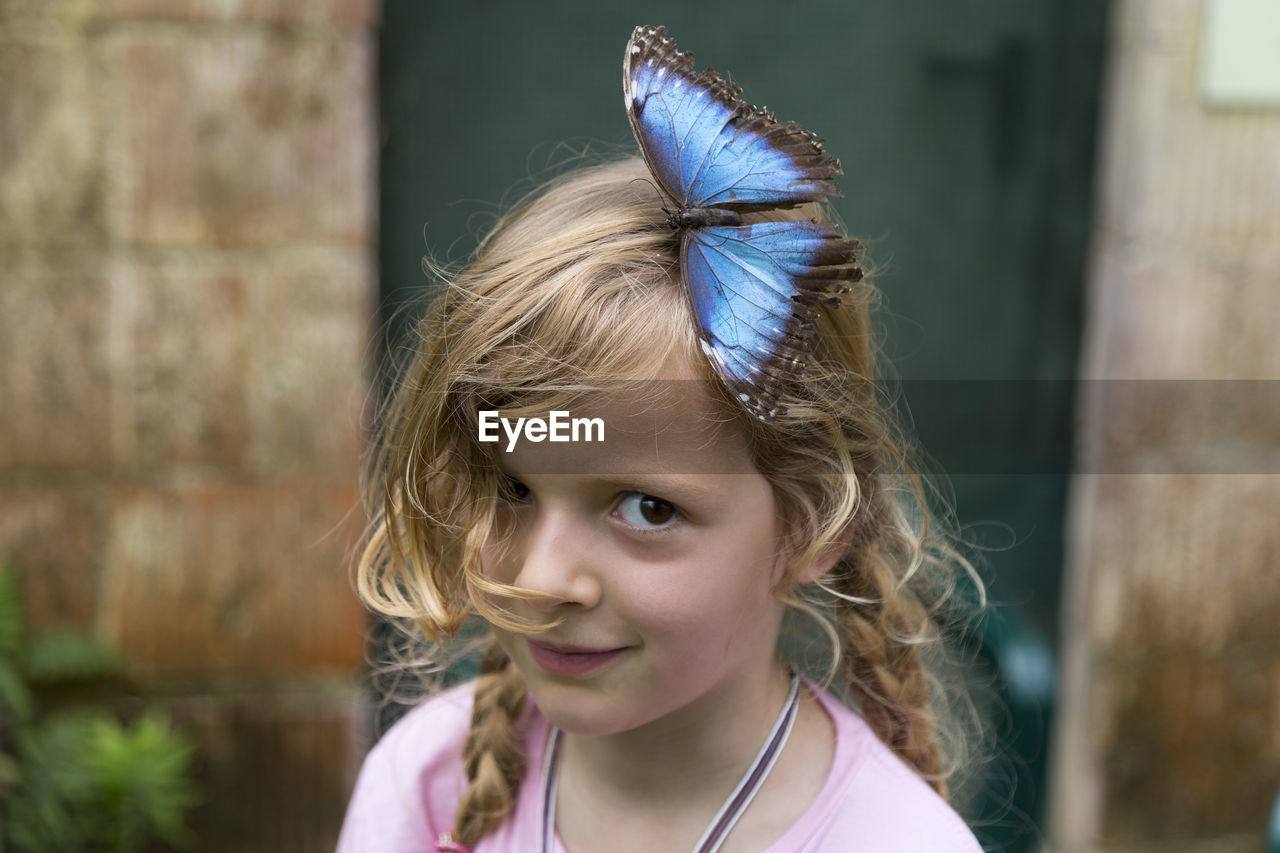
751 287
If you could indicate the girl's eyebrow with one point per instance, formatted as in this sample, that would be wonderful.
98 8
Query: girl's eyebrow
685 487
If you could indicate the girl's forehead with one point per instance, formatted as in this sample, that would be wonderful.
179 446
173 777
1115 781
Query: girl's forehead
667 426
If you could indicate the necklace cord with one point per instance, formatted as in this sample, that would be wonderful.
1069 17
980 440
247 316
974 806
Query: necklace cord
734 806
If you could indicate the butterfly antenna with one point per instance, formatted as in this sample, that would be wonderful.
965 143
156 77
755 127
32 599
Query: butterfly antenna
662 200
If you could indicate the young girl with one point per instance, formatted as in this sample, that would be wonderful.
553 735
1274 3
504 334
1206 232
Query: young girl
636 576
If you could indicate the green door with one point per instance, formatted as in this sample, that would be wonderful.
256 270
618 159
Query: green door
966 129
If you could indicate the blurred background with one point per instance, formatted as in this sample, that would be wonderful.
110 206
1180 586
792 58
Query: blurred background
212 210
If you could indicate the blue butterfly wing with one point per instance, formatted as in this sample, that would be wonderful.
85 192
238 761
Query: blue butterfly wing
751 288
764 163
708 148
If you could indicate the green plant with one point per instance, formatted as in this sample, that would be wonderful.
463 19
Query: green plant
73 776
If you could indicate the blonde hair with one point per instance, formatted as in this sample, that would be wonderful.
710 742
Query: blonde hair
572 290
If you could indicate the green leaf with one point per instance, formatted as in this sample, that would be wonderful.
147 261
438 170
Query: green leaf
64 654
11 622
52 808
15 696
79 780
144 775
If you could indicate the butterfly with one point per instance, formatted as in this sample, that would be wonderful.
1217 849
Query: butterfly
751 287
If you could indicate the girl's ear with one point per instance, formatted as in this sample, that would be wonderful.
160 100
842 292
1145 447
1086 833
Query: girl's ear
824 562
832 554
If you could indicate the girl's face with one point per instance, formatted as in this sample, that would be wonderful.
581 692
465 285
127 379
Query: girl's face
658 550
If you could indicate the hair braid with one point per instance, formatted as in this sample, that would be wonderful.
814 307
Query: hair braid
887 628
492 756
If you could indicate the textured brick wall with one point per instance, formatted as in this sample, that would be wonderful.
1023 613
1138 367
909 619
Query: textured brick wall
186 287
1171 702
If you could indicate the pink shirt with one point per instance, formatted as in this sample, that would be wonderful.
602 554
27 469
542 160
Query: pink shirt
412 780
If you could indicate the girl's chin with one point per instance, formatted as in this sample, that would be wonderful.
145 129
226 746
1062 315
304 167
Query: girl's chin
574 713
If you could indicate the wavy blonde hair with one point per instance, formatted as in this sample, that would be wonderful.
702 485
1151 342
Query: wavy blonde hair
568 293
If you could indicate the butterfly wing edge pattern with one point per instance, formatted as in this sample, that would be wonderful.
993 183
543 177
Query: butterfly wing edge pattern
745 123
760 380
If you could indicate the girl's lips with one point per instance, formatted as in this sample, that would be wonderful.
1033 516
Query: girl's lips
570 660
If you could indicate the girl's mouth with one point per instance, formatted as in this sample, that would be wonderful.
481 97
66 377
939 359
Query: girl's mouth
569 660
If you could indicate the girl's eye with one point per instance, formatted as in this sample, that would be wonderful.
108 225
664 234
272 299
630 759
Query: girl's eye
512 491
642 511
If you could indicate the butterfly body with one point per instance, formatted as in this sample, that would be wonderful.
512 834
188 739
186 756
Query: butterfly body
698 217
751 284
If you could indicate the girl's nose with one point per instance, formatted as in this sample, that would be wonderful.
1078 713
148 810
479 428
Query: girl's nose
555 556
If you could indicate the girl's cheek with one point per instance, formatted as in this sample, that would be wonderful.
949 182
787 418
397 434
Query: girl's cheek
497 555
668 604
492 557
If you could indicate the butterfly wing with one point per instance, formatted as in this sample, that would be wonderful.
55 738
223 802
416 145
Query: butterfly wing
751 288
708 148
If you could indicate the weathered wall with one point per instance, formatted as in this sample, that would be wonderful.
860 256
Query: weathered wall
1170 734
186 244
